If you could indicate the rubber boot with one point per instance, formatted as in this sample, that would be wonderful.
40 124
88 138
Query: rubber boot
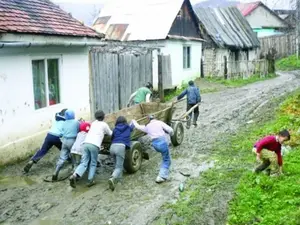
262 166
90 183
188 124
28 166
196 115
195 122
55 175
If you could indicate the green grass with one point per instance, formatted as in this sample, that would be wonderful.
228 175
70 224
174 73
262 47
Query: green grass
170 94
288 63
266 200
258 199
239 82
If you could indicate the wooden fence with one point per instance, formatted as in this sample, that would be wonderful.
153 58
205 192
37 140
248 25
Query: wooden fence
115 75
233 69
285 44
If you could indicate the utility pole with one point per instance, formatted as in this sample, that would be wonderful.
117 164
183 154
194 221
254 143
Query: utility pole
298 27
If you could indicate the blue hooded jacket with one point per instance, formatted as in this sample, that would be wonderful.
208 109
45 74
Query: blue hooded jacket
71 126
192 93
57 126
121 134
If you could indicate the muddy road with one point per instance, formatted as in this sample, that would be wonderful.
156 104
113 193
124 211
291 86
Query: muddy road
137 201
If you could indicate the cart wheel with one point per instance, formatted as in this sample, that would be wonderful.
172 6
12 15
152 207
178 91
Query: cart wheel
133 157
177 138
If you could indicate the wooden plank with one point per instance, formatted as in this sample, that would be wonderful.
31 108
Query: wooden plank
160 78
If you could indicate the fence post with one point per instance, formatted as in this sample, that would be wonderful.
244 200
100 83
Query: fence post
202 67
91 84
225 68
271 60
160 79
119 83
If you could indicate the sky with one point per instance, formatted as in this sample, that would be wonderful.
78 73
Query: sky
270 3
87 10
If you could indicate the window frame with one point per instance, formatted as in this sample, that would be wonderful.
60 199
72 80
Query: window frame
187 61
45 60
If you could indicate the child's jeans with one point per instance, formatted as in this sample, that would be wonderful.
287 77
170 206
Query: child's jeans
90 155
161 145
117 151
75 160
64 153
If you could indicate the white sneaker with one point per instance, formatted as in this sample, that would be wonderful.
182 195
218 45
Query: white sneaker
160 180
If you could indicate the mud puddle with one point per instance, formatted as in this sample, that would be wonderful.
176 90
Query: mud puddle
14 181
138 199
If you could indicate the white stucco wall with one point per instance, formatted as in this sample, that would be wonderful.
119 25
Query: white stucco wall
261 17
22 127
174 48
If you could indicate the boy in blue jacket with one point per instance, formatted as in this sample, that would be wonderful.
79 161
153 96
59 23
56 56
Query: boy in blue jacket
193 97
120 142
52 139
69 133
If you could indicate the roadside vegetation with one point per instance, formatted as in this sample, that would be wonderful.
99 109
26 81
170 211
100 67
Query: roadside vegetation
254 199
214 84
288 63
239 82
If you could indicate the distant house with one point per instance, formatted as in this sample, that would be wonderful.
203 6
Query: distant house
43 69
289 16
229 35
168 25
262 19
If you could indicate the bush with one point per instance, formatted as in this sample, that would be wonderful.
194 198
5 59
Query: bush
288 64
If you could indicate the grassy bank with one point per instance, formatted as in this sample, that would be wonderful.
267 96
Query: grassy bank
288 63
213 84
239 82
258 199
265 200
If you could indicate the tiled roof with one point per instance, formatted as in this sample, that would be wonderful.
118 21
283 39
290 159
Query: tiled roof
40 17
247 8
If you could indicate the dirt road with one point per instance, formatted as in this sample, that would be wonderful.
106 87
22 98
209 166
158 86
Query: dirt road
29 200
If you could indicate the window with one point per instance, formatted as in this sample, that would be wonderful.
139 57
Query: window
45 82
186 57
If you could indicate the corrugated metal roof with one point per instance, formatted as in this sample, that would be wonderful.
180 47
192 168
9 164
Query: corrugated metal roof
227 27
146 19
247 8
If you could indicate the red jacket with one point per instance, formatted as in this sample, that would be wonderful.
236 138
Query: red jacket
270 143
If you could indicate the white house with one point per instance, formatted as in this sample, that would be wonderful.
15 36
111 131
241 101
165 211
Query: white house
43 69
168 25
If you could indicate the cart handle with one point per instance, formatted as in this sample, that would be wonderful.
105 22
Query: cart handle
189 111
177 101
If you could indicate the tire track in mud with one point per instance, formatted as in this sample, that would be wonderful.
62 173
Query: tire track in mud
138 199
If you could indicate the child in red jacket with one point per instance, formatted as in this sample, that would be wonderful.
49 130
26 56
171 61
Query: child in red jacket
268 150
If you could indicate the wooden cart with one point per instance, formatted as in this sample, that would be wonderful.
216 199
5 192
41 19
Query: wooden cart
161 111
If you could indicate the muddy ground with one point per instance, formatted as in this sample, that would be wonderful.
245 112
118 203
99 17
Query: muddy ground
137 201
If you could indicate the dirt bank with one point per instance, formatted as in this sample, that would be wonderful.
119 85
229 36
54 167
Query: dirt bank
29 200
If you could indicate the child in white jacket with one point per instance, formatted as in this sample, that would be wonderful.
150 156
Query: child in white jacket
77 148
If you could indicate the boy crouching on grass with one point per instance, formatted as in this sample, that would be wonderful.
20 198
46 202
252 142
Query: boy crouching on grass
268 150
